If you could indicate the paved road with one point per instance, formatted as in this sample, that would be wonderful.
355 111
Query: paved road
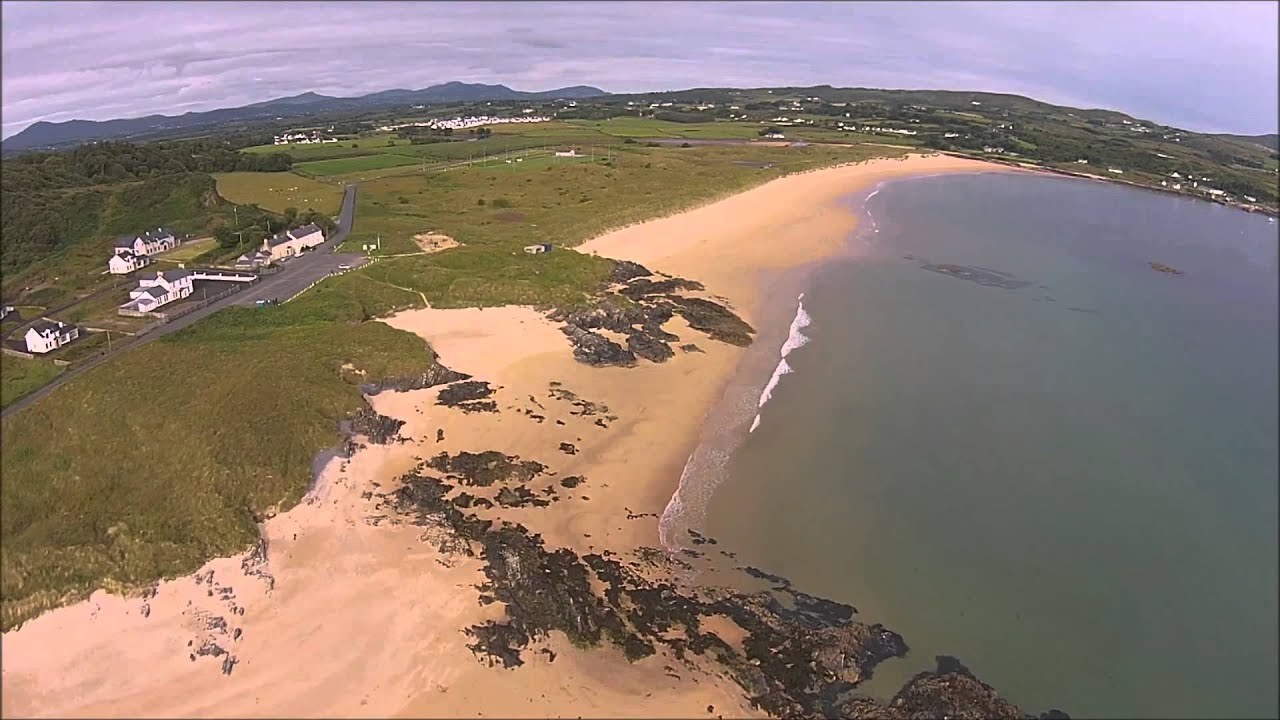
299 273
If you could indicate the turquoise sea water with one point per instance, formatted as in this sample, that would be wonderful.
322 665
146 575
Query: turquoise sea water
1065 477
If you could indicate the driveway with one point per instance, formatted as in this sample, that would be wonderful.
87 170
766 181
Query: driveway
296 277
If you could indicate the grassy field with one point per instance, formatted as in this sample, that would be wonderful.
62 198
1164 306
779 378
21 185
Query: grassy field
277 191
260 391
188 251
343 166
20 377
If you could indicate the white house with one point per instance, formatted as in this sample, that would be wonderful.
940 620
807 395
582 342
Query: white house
156 289
255 259
5 310
123 263
147 243
775 136
48 335
293 242
567 153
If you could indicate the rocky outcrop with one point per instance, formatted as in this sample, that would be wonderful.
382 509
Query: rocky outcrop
644 344
435 375
950 691
468 396
380 429
624 270
793 654
717 321
595 349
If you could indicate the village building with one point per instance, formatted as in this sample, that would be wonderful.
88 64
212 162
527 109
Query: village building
147 243
157 289
293 242
572 152
253 260
47 335
538 249
123 263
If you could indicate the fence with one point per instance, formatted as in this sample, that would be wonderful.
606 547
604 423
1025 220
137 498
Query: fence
15 352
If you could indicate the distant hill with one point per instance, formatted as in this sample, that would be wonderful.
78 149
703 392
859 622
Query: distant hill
50 135
1270 142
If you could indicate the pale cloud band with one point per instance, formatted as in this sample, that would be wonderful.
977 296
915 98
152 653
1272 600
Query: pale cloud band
1203 66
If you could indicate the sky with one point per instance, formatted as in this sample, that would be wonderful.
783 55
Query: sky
1205 66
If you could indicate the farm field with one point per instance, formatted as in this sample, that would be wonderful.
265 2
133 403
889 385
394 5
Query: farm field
277 191
343 166
189 250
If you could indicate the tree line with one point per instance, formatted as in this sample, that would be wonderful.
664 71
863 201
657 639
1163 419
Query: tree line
108 163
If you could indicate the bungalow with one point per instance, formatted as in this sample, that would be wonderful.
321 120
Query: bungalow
255 259
775 136
293 242
147 243
156 289
537 249
123 263
48 335
567 153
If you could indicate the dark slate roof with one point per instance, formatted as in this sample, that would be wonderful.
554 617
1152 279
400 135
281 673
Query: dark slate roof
126 255
172 275
305 230
157 233
279 239
155 292
45 327
125 240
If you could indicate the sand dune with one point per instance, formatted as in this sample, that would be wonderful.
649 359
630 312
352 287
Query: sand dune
363 618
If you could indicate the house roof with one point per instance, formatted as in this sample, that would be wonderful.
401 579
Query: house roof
172 275
46 327
154 292
125 241
305 230
278 239
157 234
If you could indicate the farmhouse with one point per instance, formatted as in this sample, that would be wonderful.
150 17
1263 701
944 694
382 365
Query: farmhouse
147 243
48 335
156 289
123 263
293 242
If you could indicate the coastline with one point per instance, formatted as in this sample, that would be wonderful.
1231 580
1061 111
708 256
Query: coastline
345 573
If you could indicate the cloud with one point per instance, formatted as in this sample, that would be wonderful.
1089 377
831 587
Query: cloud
1204 66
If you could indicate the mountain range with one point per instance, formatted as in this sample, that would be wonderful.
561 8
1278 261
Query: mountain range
40 135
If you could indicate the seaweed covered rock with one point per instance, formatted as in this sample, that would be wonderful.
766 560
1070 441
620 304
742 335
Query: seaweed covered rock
605 314
643 287
651 348
717 321
468 396
435 375
950 691
486 468
380 429
595 349
624 270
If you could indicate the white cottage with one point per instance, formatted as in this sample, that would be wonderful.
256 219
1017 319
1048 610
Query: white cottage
157 289
123 263
47 335
147 243
293 242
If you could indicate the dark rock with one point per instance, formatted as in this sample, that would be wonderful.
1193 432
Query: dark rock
439 434
380 429
462 392
625 270
568 448
642 287
595 349
236 635
690 347
485 468
228 664
435 375
713 319
645 345
572 481
519 496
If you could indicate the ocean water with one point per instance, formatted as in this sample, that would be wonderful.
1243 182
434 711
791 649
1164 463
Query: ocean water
1001 433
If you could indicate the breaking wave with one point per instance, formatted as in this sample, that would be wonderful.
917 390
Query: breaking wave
795 338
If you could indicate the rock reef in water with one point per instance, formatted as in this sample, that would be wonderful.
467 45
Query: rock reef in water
793 654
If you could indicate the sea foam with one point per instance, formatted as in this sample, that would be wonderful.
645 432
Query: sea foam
795 338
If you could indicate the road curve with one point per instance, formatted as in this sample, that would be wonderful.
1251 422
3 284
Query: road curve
302 268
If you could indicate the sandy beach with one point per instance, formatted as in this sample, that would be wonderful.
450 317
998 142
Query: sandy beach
348 612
